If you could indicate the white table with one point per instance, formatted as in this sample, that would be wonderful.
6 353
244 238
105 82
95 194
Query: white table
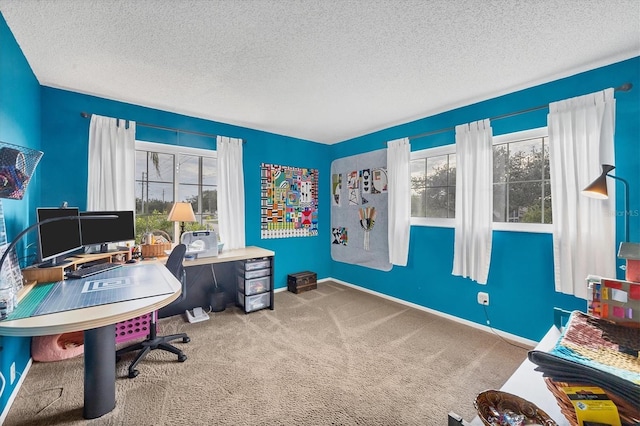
98 325
529 384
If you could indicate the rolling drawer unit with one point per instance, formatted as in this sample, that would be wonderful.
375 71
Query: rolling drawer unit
255 284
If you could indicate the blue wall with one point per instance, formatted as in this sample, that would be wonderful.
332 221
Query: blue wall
521 277
64 167
19 125
520 283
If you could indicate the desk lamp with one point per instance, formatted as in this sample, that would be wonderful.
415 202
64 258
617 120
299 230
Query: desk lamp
598 189
182 212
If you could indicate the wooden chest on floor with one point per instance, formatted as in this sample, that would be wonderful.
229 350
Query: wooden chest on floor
302 281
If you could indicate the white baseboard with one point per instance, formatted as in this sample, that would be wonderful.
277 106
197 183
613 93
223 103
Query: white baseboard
12 398
500 333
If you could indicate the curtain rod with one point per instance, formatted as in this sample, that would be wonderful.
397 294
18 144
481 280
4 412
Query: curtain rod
623 88
170 129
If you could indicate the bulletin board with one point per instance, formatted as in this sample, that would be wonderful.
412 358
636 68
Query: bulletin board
359 210
288 201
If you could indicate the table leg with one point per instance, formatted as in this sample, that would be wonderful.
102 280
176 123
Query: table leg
99 371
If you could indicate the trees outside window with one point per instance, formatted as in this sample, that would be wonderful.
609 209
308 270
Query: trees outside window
521 185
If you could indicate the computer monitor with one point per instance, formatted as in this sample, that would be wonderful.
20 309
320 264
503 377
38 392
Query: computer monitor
59 238
104 231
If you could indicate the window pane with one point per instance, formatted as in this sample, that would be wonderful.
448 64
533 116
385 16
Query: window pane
437 202
500 162
160 167
189 193
499 202
418 202
525 202
437 170
209 174
153 196
433 186
141 165
152 222
547 203
452 202
452 170
545 150
188 169
525 160
210 200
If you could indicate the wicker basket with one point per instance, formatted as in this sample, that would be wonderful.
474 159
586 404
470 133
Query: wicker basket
629 414
155 250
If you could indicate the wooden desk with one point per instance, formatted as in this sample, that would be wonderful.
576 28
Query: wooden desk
98 324
56 273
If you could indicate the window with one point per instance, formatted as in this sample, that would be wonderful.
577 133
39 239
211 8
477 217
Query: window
167 173
521 185
433 183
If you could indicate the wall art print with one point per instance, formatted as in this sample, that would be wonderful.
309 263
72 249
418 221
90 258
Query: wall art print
288 201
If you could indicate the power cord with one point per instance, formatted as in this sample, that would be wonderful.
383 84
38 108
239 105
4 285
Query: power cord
486 314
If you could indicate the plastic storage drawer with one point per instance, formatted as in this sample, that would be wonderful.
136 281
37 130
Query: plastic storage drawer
252 265
254 286
254 303
249 275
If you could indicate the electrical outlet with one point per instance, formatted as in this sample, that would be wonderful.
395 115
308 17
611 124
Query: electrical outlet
12 373
483 298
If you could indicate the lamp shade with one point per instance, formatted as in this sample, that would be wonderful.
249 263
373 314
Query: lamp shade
598 188
182 212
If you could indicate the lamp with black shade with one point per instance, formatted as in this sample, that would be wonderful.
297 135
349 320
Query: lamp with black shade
627 249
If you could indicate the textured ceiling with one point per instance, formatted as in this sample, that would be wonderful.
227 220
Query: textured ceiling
321 70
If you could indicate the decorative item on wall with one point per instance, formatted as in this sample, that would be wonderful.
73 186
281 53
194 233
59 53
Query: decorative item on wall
288 201
340 236
353 183
366 190
17 164
336 188
379 181
367 220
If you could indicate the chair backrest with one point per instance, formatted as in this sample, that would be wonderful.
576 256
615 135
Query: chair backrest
174 262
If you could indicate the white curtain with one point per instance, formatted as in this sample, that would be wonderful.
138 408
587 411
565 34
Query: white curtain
230 192
399 199
581 140
474 201
111 181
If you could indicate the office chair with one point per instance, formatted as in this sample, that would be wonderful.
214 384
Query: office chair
174 264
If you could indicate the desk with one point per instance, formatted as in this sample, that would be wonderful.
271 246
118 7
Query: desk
529 384
199 281
98 324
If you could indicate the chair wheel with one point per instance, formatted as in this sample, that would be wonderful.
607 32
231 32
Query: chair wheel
133 373
186 340
182 358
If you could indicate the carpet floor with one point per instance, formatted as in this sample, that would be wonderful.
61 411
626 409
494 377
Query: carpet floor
331 356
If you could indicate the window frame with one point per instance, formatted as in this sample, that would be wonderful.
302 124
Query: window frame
543 228
175 150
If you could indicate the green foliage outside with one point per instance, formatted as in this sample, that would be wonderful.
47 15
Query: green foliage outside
521 188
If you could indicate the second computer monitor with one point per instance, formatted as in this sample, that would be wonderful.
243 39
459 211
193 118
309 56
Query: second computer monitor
101 232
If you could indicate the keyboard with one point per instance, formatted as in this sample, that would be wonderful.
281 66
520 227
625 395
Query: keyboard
92 270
